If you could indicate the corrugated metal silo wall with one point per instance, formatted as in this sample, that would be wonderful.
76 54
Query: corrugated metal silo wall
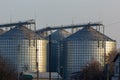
77 54
21 54
54 55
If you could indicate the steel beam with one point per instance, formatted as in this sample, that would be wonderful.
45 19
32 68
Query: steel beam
68 27
17 23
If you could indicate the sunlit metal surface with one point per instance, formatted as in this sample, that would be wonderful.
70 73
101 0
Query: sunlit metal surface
83 47
19 47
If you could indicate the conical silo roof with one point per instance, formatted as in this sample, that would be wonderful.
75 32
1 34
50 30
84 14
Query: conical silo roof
20 33
59 35
89 33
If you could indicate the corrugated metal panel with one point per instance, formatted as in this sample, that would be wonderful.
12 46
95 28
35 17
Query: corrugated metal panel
83 47
77 54
88 33
59 35
19 45
56 37
21 33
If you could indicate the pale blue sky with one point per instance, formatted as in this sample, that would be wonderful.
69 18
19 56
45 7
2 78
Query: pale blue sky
61 12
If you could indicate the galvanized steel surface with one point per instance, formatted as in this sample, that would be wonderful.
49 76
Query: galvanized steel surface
18 47
59 35
20 33
56 37
88 33
83 47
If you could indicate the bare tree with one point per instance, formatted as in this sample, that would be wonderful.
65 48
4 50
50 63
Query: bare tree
109 60
6 73
93 71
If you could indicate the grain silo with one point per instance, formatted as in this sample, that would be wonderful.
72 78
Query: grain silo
82 47
19 47
56 37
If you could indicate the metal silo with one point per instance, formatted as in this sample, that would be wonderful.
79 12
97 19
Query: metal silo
82 47
56 37
19 47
